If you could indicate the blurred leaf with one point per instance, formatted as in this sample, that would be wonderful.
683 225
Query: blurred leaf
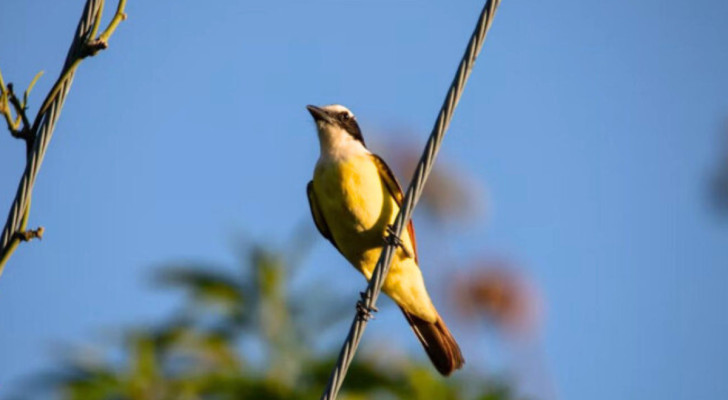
203 284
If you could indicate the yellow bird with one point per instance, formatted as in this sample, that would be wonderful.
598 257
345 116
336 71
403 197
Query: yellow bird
354 197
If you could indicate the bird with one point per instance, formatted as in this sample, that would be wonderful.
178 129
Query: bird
354 199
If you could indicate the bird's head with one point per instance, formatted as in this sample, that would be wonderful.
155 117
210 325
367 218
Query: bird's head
336 125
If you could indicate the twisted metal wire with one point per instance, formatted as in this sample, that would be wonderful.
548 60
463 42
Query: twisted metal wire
414 191
45 124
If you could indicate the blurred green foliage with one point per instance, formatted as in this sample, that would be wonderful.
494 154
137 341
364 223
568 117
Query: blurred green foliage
205 349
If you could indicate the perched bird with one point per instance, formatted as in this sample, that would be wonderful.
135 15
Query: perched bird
354 198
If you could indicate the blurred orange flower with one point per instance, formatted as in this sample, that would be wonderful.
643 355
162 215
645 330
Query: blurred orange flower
497 291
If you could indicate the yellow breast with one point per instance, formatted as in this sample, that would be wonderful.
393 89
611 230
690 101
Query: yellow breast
357 208
356 205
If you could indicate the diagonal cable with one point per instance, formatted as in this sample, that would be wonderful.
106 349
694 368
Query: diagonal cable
410 200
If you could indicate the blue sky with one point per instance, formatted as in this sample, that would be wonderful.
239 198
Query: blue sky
594 127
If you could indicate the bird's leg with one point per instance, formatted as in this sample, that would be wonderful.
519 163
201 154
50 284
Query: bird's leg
394 240
365 312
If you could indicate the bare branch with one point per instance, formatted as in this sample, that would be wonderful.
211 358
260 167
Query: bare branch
38 134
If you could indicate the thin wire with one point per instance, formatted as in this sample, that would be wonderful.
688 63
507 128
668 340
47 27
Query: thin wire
410 200
44 126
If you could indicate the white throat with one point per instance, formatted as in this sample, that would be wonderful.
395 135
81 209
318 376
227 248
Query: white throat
336 144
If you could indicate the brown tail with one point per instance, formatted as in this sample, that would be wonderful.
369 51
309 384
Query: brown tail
439 344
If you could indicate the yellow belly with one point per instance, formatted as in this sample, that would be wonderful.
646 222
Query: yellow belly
358 208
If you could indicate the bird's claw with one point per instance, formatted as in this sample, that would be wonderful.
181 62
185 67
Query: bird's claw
393 240
392 237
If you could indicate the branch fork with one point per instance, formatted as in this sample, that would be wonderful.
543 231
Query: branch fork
17 131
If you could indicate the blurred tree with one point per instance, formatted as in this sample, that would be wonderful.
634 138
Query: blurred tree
209 348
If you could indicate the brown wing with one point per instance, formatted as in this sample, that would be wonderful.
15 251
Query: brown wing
318 217
392 185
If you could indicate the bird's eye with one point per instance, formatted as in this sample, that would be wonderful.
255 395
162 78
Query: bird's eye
345 116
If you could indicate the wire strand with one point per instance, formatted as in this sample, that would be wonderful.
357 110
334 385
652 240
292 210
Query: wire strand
414 191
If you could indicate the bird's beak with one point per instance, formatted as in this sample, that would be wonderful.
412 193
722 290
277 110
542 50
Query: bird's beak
318 113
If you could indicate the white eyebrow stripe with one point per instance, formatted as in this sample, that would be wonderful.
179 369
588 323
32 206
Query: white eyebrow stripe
337 108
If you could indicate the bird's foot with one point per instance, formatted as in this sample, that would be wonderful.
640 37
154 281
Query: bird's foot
393 240
364 312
